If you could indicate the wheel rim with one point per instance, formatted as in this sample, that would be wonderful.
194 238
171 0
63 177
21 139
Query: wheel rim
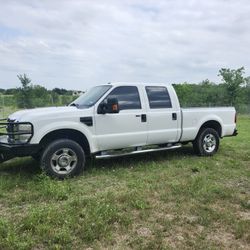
209 143
63 161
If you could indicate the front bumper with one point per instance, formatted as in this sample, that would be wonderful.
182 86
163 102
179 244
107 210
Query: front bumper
10 146
9 151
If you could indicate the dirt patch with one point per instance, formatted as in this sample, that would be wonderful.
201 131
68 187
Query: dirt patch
225 240
144 232
244 215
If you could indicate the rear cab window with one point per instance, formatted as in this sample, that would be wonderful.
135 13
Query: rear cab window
158 97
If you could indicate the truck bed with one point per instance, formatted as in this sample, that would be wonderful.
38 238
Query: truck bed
193 118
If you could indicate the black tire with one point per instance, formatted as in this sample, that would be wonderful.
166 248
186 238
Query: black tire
63 158
206 142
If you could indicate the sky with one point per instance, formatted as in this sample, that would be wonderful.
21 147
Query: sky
76 44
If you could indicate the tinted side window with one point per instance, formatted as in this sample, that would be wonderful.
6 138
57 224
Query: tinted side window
128 97
158 97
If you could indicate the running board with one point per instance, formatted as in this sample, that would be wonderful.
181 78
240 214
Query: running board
136 152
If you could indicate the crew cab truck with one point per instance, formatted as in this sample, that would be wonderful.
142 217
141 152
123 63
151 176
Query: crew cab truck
112 120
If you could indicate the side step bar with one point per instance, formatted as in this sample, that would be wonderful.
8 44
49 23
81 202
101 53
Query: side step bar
105 156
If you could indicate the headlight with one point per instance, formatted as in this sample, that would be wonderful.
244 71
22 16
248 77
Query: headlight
19 133
23 128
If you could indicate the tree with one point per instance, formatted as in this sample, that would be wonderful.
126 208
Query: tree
12 91
24 98
25 81
40 96
233 80
60 91
206 82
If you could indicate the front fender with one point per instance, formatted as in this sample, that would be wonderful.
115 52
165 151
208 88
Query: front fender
40 132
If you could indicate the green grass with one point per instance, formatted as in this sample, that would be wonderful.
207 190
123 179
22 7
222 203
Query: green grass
161 200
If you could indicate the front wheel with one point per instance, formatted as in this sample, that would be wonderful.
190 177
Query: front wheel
207 142
63 158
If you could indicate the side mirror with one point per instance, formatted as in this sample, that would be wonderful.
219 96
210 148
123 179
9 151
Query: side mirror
102 108
110 106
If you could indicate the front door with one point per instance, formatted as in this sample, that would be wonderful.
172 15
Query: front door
127 128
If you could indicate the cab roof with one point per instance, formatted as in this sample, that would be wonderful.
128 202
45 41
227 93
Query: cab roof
139 83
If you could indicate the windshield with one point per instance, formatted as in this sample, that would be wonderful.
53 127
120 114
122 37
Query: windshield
89 98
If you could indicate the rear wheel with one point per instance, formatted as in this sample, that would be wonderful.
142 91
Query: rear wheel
207 142
63 158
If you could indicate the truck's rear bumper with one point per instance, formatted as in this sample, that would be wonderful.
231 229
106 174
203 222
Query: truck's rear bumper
235 132
9 151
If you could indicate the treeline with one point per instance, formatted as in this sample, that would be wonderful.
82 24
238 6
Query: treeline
209 94
234 90
14 91
33 95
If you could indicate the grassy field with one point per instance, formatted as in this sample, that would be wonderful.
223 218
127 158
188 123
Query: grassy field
161 200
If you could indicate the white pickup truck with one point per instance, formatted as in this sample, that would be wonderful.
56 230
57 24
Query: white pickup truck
109 121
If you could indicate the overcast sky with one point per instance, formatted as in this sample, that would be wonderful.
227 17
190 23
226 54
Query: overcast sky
77 44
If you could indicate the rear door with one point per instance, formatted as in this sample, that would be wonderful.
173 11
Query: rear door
162 116
127 128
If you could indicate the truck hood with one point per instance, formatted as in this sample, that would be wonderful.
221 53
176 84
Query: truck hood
30 114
